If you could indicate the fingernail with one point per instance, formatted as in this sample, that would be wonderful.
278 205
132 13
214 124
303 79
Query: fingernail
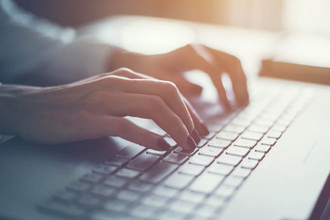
194 134
191 143
204 129
162 144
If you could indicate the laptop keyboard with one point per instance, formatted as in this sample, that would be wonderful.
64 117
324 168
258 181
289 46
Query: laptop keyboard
140 183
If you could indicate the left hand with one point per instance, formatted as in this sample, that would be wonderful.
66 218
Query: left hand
170 66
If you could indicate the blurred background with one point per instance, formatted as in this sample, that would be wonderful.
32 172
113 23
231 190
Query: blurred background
278 15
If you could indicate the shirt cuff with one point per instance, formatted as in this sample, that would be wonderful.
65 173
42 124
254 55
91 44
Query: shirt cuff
77 60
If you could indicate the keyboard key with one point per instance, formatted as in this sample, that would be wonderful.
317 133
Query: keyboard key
106 215
191 196
224 135
241 121
201 143
128 195
65 196
130 151
215 201
127 173
116 205
91 177
139 186
79 186
249 164
237 151
201 160
171 215
223 144
268 141
241 172
225 191
258 128
210 135
210 151
233 181
245 143
156 152
221 169
278 128
264 122
262 148
115 181
158 130
105 169
206 183
176 158
213 126
63 209
256 156
229 160
165 191
191 169
252 135
143 211
234 128
205 211
104 191
170 141
274 134
154 200
180 150
88 201
158 172
178 181
142 162
117 161
182 206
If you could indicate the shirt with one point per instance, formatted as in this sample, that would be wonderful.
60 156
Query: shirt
36 51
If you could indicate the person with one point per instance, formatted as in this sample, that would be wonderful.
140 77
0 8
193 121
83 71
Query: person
59 88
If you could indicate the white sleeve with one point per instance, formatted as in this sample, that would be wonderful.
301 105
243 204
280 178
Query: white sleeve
32 49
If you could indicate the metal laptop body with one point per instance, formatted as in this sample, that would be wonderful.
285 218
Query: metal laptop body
285 185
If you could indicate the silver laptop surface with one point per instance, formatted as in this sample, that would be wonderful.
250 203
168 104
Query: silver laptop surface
269 160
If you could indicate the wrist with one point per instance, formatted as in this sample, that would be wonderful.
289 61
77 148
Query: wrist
125 59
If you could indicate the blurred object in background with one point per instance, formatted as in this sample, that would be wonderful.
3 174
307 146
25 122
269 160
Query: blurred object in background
296 15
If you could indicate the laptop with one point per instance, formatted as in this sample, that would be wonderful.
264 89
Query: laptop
269 160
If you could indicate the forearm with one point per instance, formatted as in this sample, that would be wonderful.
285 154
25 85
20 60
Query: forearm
10 109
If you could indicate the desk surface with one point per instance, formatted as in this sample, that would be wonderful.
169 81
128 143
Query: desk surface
150 35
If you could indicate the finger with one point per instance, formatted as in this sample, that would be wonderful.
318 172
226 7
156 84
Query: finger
166 90
233 67
197 57
199 124
146 106
187 88
114 126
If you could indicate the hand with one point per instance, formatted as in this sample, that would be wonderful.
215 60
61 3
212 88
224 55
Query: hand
170 66
96 107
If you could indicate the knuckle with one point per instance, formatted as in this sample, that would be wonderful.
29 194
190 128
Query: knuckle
124 72
113 81
169 88
156 103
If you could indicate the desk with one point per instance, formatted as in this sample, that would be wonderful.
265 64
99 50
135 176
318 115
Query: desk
150 35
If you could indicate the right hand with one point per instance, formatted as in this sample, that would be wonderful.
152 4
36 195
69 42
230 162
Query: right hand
96 107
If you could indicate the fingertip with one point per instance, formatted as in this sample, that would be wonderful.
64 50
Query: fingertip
204 130
195 135
190 143
162 144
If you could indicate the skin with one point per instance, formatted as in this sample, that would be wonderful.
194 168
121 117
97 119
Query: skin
97 106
